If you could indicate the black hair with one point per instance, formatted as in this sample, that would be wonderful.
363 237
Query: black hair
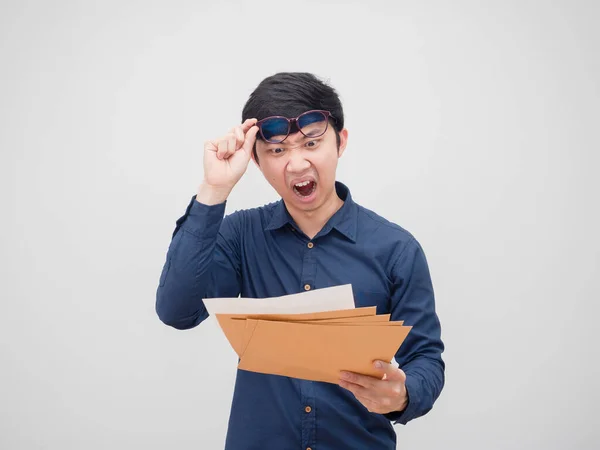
290 94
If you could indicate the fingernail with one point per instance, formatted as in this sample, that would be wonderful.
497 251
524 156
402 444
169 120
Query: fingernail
378 364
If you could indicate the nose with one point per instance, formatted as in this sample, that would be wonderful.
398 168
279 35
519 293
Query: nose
297 163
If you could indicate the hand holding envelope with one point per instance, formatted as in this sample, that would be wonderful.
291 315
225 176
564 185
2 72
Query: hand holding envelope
313 335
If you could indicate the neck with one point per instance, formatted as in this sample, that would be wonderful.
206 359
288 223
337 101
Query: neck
311 222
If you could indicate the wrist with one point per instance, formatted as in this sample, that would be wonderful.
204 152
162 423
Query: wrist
212 195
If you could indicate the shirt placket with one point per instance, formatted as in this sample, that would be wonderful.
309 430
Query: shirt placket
309 266
309 415
309 410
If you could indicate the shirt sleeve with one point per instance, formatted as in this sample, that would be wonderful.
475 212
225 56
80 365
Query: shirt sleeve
203 261
420 355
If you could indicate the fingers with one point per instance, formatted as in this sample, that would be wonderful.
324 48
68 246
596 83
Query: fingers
376 404
381 406
248 123
241 136
389 396
210 146
226 146
371 387
250 139
356 389
361 380
371 406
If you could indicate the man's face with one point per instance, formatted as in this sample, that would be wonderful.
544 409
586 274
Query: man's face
302 170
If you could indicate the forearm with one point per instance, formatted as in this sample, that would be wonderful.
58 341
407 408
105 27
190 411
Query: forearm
184 278
424 382
191 271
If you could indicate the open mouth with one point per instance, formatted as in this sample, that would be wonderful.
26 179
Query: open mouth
305 189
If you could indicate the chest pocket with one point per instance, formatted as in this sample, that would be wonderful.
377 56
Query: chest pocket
367 298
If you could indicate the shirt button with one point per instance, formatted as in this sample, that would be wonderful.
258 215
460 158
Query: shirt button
310 245
308 409
307 287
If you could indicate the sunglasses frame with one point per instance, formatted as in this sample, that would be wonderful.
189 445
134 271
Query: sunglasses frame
294 120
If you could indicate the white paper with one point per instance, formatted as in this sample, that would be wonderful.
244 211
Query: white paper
318 300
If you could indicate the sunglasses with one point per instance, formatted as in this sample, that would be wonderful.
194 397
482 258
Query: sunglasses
312 124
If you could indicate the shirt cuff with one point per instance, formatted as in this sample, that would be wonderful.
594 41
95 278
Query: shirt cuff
203 221
412 393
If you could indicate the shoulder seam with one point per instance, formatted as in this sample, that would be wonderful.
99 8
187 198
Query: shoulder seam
410 241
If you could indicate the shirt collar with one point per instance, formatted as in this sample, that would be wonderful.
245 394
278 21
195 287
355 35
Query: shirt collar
344 220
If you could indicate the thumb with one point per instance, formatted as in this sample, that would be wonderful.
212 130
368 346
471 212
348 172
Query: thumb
390 372
250 140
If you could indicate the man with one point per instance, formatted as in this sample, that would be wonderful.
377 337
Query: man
316 236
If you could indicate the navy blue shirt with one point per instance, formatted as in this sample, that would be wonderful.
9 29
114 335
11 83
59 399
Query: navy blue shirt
262 253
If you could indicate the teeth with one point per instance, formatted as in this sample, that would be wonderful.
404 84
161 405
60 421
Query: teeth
306 183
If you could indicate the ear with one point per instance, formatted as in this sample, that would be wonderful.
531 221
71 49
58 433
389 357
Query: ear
343 142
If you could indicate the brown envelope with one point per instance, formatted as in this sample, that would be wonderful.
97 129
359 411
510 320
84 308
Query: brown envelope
362 319
356 320
318 352
342 313
235 329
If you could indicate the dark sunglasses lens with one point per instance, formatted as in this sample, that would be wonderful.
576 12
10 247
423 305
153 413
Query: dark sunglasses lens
312 124
275 130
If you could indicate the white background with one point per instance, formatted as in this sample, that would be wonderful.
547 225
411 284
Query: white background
472 124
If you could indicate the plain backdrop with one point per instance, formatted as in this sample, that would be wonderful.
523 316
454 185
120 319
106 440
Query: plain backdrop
474 125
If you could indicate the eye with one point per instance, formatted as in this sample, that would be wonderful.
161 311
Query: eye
277 151
312 143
